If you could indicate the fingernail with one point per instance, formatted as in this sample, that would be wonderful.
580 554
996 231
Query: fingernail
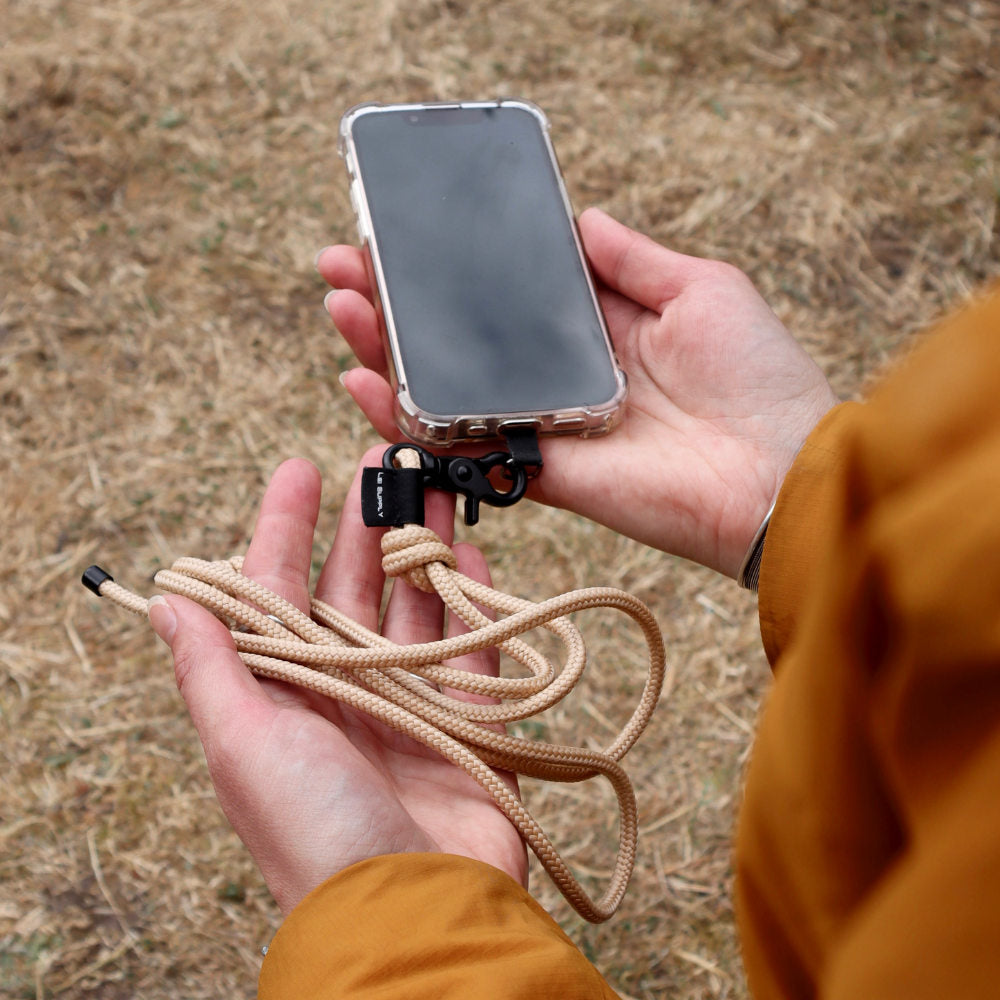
162 618
327 297
318 255
341 378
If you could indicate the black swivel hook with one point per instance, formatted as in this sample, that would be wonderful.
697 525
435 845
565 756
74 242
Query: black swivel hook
469 477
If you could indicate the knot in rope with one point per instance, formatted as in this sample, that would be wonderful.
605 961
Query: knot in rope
407 551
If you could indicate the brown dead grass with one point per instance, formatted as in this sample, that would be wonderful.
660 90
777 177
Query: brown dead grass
168 172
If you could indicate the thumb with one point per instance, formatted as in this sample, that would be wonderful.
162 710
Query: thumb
216 686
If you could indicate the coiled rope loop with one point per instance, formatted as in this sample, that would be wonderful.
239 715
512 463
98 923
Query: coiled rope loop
406 687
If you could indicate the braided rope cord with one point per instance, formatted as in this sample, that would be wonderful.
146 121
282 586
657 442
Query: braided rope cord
404 687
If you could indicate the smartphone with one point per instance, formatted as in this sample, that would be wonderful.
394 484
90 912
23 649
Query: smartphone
485 299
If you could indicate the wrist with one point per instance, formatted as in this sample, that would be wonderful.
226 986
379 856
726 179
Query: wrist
748 571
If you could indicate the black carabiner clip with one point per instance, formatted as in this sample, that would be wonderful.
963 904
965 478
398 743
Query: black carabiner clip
470 477
467 476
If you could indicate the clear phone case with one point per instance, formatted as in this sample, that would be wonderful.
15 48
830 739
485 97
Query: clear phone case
445 429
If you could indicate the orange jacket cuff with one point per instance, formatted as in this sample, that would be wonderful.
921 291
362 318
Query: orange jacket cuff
424 925
800 526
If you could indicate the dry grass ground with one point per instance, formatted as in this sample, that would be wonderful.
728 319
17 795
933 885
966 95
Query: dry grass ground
167 172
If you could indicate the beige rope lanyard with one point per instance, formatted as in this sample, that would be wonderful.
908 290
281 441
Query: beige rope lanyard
401 686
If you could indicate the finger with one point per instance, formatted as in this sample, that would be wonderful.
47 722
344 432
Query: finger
344 267
280 553
634 265
222 697
352 580
355 319
374 396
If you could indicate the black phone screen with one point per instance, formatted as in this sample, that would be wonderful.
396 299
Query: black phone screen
489 297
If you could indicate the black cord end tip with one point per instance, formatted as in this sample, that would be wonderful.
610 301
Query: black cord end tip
93 577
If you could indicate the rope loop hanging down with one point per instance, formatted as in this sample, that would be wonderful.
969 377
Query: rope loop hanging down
407 686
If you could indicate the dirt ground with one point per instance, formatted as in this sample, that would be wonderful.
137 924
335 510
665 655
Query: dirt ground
169 172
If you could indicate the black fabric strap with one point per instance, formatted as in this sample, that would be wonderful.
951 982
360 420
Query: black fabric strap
522 440
392 497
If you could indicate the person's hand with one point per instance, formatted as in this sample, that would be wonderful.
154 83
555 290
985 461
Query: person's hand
309 785
721 397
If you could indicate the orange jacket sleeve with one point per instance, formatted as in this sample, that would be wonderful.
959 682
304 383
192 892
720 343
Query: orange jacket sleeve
868 855
424 926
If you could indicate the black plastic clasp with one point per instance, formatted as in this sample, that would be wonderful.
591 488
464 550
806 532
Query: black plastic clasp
93 577
469 477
